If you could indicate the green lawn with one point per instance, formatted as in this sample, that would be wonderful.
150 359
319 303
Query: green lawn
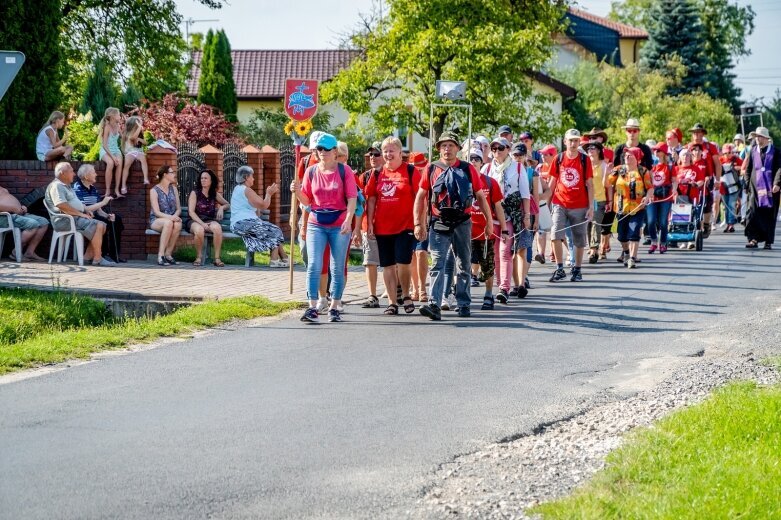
720 459
50 327
233 253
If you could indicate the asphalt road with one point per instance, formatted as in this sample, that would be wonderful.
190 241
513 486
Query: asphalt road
286 420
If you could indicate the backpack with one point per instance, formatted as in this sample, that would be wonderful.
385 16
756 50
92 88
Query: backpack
452 193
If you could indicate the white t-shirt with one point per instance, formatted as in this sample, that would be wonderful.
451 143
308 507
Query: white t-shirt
515 179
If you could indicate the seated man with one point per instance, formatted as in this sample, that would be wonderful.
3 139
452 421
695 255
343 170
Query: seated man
61 197
85 190
33 227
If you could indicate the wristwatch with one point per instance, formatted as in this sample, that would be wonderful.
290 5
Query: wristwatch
505 232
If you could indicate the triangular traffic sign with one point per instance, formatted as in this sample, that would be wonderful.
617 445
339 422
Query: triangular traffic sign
10 64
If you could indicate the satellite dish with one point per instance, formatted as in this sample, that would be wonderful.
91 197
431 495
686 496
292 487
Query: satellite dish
452 90
10 64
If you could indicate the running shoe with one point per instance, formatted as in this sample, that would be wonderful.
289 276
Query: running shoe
539 258
662 250
576 275
334 316
522 292
631 264
464 312
652 249
431 311
502 297
311 316
558 274
488 303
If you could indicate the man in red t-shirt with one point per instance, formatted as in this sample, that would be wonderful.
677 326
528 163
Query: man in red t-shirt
452 228
371 255
710 154
390 197
572 189
483 253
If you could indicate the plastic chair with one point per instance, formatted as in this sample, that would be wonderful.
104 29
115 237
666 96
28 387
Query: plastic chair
15 231
61 239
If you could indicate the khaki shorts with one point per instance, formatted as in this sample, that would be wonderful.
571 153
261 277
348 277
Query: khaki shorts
564 218
371 252
85 226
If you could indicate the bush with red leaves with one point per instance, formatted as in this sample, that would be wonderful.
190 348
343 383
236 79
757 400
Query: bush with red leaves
178 120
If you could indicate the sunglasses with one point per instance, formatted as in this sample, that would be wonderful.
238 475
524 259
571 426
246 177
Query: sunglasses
499 148
475 158
323 149
633 130
375 154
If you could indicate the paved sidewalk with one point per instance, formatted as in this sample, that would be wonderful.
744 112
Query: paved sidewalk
142 280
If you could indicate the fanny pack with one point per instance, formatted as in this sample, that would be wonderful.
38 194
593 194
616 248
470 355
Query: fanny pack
326 217
662 192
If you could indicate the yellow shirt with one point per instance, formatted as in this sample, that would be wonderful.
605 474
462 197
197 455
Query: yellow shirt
626 200
599 187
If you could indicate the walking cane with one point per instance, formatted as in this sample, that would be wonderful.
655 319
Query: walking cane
113 232
293 219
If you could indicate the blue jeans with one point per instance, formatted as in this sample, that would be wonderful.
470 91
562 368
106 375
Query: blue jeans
730 201
439 244
450 272
316 239
658 217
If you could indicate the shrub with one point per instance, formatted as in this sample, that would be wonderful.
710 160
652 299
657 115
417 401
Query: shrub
83 136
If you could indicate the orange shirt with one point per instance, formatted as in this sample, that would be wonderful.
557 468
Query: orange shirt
395 199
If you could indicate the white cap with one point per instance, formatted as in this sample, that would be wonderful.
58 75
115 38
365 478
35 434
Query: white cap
739 137
482 140
314 137
572 133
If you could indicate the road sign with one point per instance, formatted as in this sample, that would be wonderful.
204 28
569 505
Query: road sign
10 64
301 98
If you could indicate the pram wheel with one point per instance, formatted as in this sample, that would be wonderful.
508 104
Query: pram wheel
698 240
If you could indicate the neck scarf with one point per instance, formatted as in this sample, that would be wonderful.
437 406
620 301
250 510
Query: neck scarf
764 178
500 170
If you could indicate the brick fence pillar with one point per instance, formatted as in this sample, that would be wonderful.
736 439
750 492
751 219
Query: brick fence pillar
156 158
272 173
213 158
255 161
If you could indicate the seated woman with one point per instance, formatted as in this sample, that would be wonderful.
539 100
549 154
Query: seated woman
165 215
205 209
88 194
48 145
257 234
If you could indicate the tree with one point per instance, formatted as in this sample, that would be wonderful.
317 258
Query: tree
266 126
101 91
676 31
608 96
726 26
493 48
32 28
130 98
772 116
216 86
140 40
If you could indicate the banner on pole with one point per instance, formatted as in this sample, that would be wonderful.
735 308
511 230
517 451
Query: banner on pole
301 99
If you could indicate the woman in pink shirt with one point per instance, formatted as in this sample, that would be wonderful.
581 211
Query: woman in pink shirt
331 195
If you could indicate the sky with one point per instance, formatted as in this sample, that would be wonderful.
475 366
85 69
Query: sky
264 24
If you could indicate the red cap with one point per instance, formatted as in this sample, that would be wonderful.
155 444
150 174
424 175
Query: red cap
661 147
418 160
728 148
637 152
549 150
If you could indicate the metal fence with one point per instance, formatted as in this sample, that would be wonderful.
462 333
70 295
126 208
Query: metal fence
287 165
232 159
190 163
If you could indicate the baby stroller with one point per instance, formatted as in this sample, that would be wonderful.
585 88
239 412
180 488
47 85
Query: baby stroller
686 221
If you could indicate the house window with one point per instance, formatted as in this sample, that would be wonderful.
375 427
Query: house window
402 132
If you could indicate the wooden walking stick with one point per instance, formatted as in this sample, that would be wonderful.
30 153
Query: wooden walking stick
293 221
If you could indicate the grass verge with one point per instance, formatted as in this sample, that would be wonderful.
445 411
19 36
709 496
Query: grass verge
233 253
718 459
41 327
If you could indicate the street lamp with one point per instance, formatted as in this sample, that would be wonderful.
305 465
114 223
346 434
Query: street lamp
188 23
452 91
748 111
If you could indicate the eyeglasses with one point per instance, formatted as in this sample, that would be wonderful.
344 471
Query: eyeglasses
499 148
633 130
323 149
375 154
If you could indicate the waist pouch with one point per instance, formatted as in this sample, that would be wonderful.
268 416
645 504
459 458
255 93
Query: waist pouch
662 192
326 217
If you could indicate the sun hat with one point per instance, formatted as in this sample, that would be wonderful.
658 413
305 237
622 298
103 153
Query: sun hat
739 137
596 132
761 131
448 136
637 152
699 127
549 150
572 133
505 129
632 123
326 141
519 149
661 147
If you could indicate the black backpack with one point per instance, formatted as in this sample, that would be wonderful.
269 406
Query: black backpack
452 193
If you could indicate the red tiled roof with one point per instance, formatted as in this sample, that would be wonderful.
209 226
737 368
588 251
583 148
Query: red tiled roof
262 73
623 30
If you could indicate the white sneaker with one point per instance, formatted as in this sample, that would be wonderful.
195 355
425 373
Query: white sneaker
449 303
340 308
322 305
277 264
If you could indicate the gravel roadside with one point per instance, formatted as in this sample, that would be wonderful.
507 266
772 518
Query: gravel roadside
503 479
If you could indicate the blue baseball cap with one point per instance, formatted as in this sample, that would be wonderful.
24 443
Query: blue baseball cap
326 141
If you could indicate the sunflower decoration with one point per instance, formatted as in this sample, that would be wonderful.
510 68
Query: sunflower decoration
289 127
302 128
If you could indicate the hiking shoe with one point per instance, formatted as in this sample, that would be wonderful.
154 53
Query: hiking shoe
514 292
652 249
502 297
464 312
522 292
662 250
311 316
631 263
334 316
431 312
526 283
475 281
575 275
372 302
488 304
539 258
558 274
592 258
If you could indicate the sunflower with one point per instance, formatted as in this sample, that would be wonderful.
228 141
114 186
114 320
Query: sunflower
289 127
303 127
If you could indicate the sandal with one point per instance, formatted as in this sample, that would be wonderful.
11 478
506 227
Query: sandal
414 296
197 262
752 244
160 261
409 308
391 310
423 297
218 263
170 260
